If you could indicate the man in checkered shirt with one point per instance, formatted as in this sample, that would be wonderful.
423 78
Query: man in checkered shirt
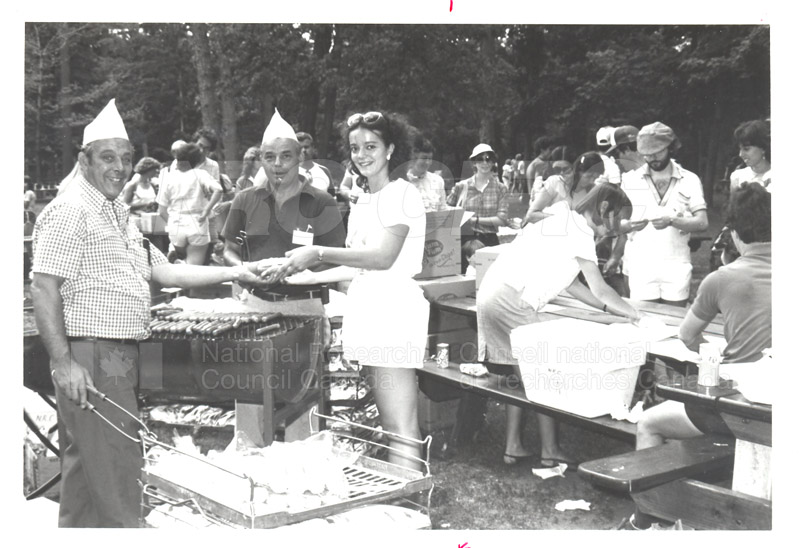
91 297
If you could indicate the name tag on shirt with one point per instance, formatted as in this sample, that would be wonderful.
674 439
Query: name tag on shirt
302 238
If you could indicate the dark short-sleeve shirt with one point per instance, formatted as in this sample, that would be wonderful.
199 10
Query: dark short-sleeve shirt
270 232
742 293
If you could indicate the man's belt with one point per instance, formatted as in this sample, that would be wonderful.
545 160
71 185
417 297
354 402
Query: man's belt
102 339
283 293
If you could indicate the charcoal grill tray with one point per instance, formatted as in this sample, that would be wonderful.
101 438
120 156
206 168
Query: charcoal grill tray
370 481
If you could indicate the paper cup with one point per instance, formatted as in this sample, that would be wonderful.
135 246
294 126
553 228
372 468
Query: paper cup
708 368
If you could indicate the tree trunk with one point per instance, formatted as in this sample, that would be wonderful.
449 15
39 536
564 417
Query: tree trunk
37 147
182 112
323 140
323 35
64 78
209 106
230 133
712 150
488 130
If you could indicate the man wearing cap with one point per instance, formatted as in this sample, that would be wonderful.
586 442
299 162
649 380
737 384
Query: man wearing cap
623 152
611 174
668 205
623 149
283 210
91 296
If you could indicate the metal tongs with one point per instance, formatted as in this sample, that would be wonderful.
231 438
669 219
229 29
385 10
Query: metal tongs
146 435
143 433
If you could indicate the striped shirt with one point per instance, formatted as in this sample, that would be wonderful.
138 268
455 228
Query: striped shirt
86 239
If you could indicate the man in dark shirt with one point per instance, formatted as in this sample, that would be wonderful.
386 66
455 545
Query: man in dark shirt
285 211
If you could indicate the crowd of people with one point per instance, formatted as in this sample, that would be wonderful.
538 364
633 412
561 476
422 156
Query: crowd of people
628 205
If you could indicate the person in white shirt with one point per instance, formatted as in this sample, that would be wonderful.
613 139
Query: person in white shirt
753 139
183 200
206 140
319 175
668 205
429 184
544 260
386 323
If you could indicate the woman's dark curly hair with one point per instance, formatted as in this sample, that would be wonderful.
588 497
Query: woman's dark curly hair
750 213
393 129
755 133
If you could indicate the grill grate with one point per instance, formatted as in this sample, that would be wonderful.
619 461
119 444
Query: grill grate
369 482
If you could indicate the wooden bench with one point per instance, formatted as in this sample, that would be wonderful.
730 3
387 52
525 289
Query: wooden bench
671 482
682 478
641 470
506 390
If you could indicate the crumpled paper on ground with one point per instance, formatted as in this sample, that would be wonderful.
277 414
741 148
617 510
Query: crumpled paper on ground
547 473
573 505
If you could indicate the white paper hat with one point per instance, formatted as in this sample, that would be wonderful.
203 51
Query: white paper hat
107 125
278 128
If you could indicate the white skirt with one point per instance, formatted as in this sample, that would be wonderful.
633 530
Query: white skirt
386 323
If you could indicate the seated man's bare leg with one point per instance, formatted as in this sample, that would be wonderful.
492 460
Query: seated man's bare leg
666 420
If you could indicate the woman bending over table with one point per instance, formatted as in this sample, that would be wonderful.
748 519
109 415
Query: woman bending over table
542 261
385 326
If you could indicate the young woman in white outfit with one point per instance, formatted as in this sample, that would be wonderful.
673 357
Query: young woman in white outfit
385 326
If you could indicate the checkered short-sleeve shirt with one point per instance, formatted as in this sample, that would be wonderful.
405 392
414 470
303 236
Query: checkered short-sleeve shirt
492 201
88 240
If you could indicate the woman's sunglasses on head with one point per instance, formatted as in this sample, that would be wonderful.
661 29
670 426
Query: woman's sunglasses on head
368 118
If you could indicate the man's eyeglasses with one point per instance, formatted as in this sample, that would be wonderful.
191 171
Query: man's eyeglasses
484 158
368 118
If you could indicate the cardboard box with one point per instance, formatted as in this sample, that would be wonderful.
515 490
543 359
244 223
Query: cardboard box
152 223
442 256
483 259
578 366
448 287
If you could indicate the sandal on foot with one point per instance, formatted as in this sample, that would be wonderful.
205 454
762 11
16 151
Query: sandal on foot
551 463
511 460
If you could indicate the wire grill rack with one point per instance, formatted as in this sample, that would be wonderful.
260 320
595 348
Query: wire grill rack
370 480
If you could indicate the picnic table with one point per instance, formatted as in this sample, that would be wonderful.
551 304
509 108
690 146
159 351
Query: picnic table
708 482
453 321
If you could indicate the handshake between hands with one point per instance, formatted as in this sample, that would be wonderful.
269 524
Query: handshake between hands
292 269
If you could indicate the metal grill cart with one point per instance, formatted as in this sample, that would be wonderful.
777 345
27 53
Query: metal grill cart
219 496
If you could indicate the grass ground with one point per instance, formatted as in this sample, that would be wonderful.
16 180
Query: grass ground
475 490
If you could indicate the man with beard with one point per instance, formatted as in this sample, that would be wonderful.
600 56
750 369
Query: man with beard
668 205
